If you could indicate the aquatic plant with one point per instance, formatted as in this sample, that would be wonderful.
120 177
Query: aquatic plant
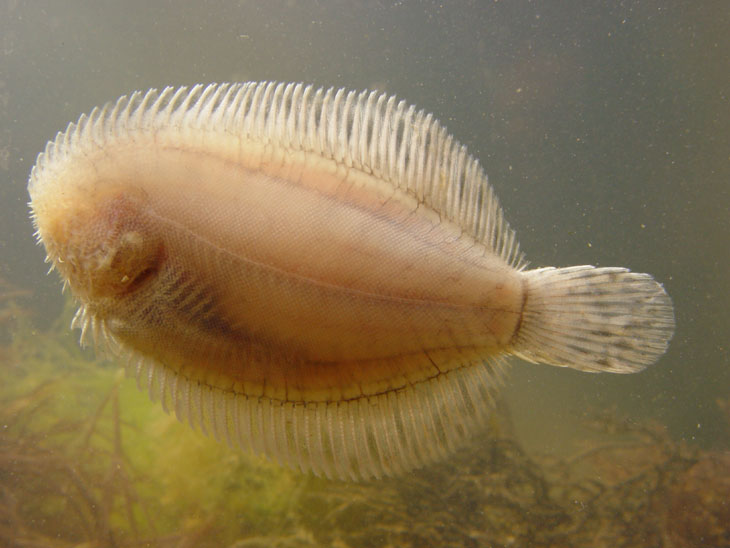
14 309
84 458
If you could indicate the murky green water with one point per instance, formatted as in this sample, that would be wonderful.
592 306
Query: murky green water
605 132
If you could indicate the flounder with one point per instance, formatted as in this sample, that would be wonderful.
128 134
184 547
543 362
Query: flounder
322 276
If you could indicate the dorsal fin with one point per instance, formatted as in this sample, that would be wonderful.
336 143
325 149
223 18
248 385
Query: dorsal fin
367 130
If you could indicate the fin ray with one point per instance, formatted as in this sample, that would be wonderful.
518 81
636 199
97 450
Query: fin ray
372 132
594 319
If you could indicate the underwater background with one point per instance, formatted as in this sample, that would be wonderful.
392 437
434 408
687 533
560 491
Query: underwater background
605 130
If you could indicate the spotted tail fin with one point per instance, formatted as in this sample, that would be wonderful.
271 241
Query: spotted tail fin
594 319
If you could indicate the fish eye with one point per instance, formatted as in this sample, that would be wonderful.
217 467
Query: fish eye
140 279
134 262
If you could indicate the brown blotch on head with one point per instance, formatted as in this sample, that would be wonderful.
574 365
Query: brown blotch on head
109 247
134 259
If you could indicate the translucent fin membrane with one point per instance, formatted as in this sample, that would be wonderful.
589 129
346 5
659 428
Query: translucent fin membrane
368 131
94 333
358 439
594 319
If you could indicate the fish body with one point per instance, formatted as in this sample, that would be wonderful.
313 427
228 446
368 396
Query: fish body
321 276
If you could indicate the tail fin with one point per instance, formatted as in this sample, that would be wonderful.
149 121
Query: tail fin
594 319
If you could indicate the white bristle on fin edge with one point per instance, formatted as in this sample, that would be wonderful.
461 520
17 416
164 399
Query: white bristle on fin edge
359 439
594 319
369 131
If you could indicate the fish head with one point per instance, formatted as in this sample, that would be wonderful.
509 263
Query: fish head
103 242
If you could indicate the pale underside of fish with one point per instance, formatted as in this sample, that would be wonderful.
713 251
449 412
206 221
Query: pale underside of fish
321 276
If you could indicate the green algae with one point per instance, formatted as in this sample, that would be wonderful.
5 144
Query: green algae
91 460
